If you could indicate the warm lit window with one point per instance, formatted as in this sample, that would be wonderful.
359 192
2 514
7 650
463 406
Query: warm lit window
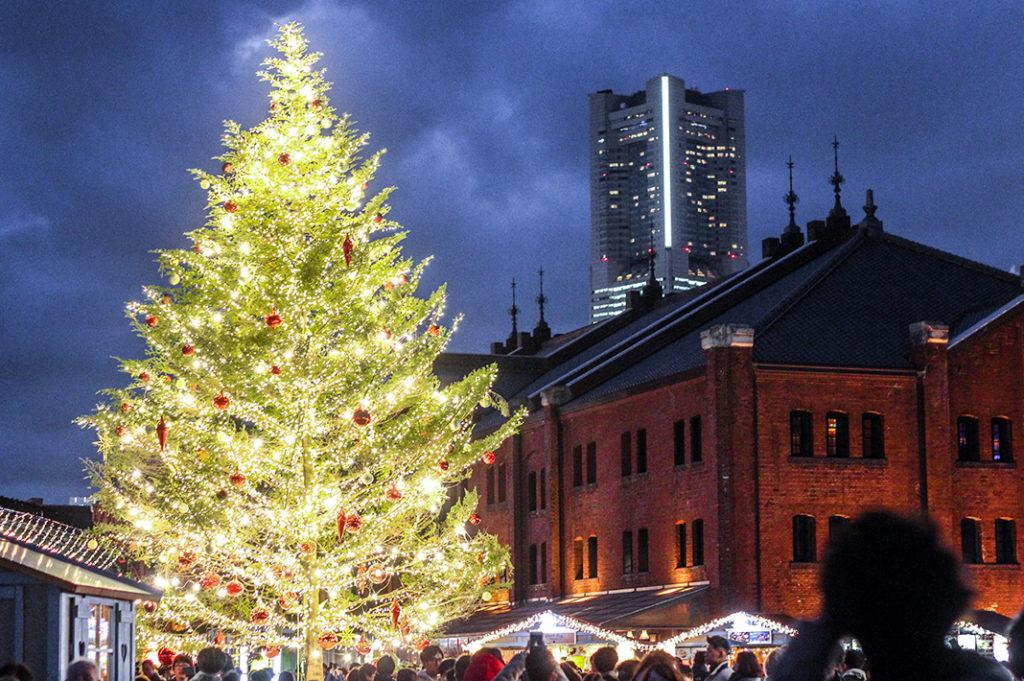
627 552
577 555
800 433
872 436
970 540
679 442
837 434
1006 541
967 439
592 557
1002 443
698 542
642 558
641 451
804 542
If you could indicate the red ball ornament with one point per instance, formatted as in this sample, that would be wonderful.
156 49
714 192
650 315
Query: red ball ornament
284 159
307 548
166 299
221 401
442 464
403 278
234 587
353 523
161 433
328 640
165 656
237 480
273 320
363 646
388 286
144 376
152 320
230 206
474 519
488 458
188 350
364 186
275 370
377 574
316 104
209 580
149 606
222 494
259 616
288 601
394 494
274 106
378 217
227 168
361 417
125 407
121 431
433 330
272 651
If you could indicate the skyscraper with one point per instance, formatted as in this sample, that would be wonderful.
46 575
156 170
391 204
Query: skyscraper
668 173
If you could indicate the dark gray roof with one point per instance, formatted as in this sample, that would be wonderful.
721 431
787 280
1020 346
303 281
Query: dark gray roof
848 302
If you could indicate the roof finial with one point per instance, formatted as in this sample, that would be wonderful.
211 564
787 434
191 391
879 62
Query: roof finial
541 299
651 280
836 180
514 310
869 205
791 198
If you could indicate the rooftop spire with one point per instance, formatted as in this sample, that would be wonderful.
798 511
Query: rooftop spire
514 310
651 280
791 198
541 299
836 180
870 224
542 331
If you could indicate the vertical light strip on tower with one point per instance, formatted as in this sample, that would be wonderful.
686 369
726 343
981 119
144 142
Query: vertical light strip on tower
666 161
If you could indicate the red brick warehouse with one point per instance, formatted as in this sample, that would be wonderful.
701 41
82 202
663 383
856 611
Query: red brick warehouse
715 438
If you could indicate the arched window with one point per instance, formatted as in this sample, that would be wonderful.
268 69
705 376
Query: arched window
577 555
698 542
626 450
543 488
533 564
577 466
627 552
800 433
641 451
836 523
642 559
804 541
967 439
872 435
679 442
680 545
531 491
970 540
1002 442
1006 540
837 434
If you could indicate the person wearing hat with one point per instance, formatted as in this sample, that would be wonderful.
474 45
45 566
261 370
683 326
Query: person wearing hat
717 658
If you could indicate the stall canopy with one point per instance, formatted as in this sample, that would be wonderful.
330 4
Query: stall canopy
736 624
671 607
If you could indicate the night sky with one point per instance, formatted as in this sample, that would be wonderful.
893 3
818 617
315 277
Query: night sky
482 107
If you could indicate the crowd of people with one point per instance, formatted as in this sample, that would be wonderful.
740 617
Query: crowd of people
887 582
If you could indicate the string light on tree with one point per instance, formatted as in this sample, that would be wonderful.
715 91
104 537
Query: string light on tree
282 477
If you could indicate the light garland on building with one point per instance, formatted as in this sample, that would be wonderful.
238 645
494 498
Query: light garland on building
49 535
734 618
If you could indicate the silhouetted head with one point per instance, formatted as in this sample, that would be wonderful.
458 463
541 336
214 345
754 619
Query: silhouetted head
604 659
889 582
772 662
385 666
627 669
658 665
746 665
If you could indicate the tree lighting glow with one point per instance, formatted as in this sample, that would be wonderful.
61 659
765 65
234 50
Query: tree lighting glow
283 459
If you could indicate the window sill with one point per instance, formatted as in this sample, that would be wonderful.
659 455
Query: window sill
986 464
997 566
688 465
839 460
801 565
585 488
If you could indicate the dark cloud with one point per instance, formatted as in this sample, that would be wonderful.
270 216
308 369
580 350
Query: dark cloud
482 107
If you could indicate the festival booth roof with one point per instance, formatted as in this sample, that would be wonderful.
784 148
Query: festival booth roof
738 623
674 607
66 556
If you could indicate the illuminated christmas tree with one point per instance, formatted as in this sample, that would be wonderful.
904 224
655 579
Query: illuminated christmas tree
284 459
